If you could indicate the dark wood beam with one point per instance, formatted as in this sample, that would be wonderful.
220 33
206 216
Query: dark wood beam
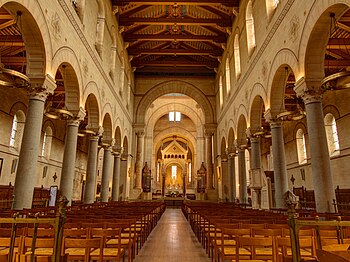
174 63
214 52
216 11
127 21
10 39
13 60
339 41
134 10
231 3
164 37
337 63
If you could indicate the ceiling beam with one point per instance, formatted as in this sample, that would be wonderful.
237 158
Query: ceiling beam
13 60
135 52
164 37
337 63
7 24
174 63
231 3
127 21
216 11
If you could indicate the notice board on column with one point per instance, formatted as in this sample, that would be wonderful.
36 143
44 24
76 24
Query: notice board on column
53 196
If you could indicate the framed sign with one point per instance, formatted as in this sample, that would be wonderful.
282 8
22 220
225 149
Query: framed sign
1 162
53 195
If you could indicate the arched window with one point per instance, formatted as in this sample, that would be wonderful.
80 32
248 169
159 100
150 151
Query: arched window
228 76
158 171
46 143
100 27
221 92
78 6
249 20
122 75
14 131
237 56
17 130
189 172
332 135
301 146
271 5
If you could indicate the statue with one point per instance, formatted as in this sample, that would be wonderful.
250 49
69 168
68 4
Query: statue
201 179
146 178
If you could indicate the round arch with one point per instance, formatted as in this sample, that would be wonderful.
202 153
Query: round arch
118 137
72 76
174 86
241 131
33 31
231 140
92 110
256 110
107 128
315 37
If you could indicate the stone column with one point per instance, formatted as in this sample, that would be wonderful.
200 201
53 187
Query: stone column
255 159
209 157
279 163
231 176
106 173
69 156
320 162
28 157
90 186
163 180
116 174
184 178
139 158
243 197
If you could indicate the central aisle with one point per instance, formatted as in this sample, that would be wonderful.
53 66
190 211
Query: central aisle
172 240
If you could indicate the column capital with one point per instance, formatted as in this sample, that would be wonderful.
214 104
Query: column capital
311 96
272 119
79 114
309 89
118 150
210 129
139 129
254 139
41 86
276 124
230 152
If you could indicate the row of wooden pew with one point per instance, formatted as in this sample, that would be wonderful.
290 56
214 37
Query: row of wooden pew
102 232
230 233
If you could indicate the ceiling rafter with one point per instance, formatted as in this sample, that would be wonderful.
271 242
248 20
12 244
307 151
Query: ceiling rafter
169 37
230 3
126 21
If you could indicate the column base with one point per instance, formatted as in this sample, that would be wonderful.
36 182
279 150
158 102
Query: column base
201 196
146 196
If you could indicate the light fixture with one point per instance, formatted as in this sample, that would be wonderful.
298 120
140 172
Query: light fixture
10 77
54 109
337 76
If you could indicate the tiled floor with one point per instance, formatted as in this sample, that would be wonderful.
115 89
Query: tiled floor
172 240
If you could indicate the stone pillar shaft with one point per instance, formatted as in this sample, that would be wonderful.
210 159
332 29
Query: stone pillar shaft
116 177
231 177
255 159
209 157
106 173
279 164
69 156
320 162
243 198
28 157
90 187
139 159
